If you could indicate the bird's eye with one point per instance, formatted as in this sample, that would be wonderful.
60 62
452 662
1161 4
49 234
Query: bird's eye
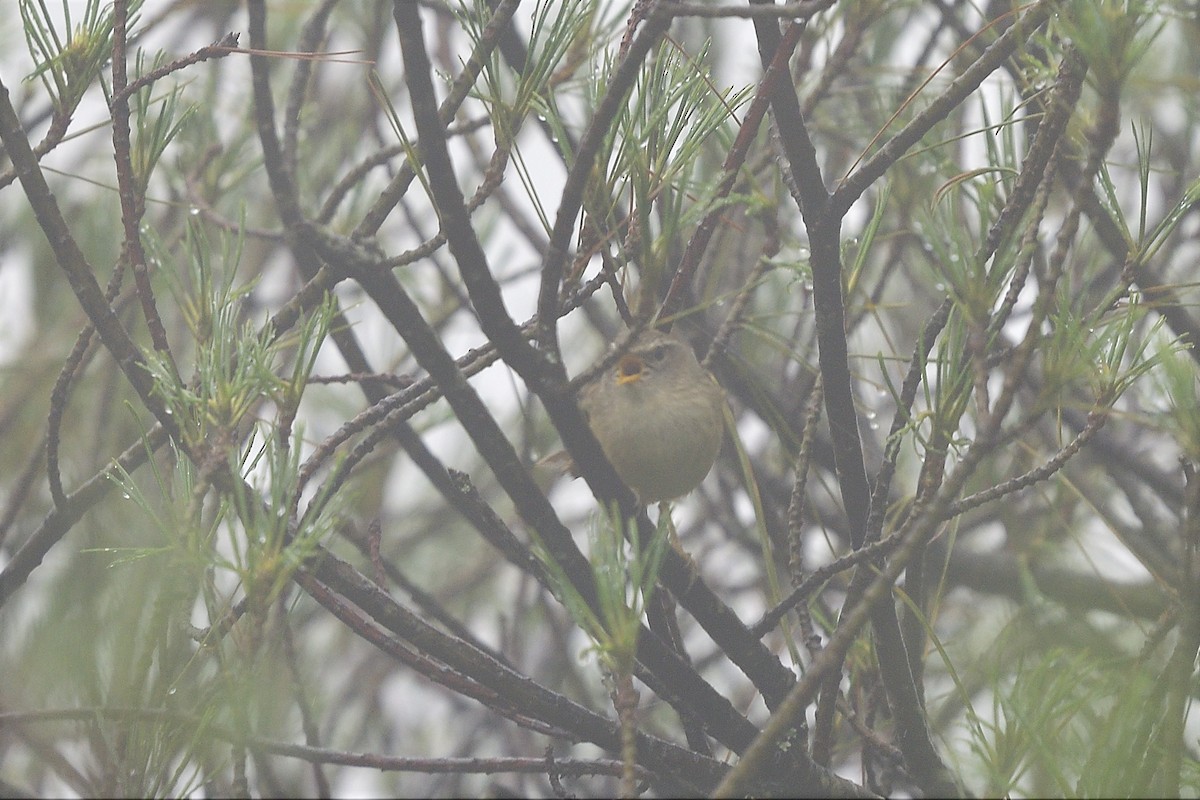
658 353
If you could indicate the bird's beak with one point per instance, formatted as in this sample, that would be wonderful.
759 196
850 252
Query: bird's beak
630 368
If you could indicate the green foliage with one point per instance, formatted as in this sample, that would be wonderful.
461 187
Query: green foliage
655 155
625 572
1113 35
556 30
237 360
1176 382
68 56
1073 723
161 635
237 366
155 128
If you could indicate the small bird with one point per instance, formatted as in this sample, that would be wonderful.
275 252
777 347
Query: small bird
659 417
